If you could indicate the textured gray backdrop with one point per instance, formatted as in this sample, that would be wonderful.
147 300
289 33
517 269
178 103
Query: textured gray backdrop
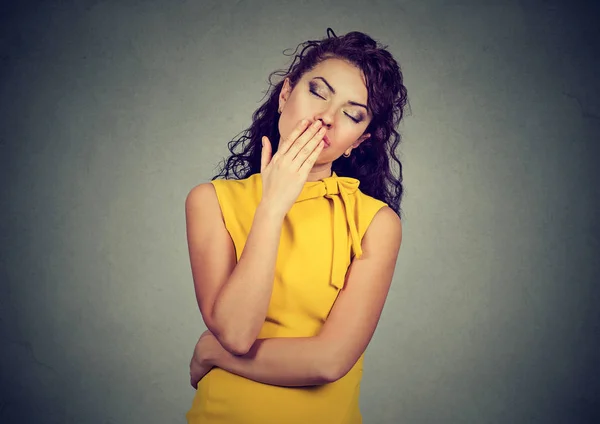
112 110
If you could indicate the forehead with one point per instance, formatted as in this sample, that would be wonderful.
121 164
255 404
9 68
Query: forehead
345 78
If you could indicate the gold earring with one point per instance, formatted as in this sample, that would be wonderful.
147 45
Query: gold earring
346 155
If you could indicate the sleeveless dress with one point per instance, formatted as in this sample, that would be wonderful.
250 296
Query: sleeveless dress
321 234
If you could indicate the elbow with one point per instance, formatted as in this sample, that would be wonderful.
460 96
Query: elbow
235 346
336 365
235 338
333 369
231 342
332 373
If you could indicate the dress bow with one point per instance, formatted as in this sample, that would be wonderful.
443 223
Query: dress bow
339 190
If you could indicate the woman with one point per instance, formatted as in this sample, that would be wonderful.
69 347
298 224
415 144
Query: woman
291 261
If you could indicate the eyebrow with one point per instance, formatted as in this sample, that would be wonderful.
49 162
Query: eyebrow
333 91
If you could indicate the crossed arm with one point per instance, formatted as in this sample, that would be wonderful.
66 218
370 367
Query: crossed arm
305 361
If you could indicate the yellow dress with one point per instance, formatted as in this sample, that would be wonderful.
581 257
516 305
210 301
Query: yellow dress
321 234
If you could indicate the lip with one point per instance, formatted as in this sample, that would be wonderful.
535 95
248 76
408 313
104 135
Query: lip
326 140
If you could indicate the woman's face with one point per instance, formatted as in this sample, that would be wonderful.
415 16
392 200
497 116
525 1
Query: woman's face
334 92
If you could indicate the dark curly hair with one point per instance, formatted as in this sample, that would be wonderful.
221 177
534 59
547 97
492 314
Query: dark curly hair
370 162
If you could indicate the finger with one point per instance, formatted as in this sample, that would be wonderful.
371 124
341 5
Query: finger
303 142
309 147
265 154
312 158
284 145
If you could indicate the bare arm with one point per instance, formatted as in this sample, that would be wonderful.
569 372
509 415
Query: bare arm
233 298
241 304
287 362
344 336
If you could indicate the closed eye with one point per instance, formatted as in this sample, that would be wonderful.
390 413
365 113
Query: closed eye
356 121
315 93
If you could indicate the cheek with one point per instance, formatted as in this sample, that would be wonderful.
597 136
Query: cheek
290 118
285 126
345 136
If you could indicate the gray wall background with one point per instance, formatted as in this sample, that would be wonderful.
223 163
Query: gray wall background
112 110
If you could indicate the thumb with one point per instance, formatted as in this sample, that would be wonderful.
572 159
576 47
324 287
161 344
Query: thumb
265 156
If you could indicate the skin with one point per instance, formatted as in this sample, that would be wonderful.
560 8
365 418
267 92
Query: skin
305 361
334 110
345 335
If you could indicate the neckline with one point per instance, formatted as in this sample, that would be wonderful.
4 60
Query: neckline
333 185
311 183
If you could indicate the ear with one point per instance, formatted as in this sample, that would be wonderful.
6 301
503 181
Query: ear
357 143
286 89
361 139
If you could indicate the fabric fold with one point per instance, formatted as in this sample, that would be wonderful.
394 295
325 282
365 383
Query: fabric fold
339 190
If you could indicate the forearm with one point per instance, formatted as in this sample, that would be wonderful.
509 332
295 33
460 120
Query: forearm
290 362
241 305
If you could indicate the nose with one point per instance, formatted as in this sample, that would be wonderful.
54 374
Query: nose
326 118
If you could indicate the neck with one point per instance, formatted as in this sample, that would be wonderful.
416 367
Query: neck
320 171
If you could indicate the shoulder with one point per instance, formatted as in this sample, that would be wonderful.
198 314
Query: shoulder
226 194
237 186
371 210
385 229
387 219
213 189
368 200
202 204
200 194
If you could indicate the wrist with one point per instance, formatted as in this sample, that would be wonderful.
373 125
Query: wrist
214 354
268 212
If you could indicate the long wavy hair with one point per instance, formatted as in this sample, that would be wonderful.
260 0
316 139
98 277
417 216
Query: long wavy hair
371 162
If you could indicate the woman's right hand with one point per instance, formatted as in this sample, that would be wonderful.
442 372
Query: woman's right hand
284 175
